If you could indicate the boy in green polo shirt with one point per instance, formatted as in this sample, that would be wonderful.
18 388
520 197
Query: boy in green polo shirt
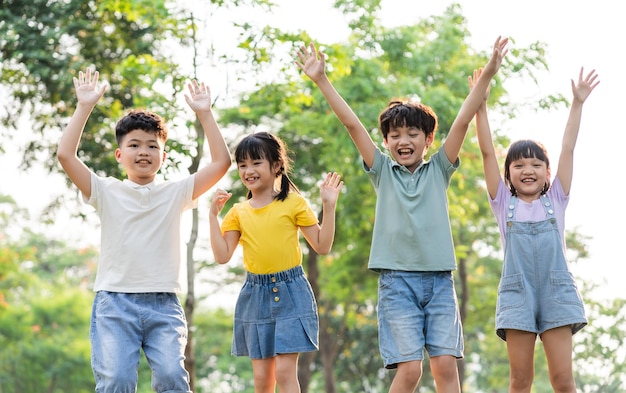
412 247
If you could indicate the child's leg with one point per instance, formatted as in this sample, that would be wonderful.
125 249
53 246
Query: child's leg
165 339
557 344
115 342
264 375
407 377
521 349
446 374
287 373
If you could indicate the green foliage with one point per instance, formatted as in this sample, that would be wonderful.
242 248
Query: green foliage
220 372
44 44
44 317
44 296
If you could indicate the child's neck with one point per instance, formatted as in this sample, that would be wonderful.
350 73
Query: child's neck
261 199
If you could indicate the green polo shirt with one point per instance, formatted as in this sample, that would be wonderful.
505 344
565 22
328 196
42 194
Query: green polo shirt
412 227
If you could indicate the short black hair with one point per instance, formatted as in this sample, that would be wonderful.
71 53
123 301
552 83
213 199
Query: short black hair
400 113
140 119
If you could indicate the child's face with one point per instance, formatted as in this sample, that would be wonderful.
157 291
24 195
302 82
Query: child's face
408 145
257 175
141 154
528 176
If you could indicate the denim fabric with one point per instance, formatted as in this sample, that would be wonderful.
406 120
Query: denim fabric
275 314
122 324
417 310
537 292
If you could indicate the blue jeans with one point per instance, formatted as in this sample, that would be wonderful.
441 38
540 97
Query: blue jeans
124 323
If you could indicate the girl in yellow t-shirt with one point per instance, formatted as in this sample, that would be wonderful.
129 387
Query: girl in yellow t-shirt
276 313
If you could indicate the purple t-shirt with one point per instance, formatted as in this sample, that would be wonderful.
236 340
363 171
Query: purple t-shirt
530 212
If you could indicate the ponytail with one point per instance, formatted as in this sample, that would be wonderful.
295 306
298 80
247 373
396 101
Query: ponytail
286 185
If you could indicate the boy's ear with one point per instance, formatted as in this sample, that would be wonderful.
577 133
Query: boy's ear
430 139
118 155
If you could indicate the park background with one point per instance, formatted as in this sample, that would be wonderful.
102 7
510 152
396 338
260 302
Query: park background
556 37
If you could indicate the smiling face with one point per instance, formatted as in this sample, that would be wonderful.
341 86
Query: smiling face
257 175
408 145
408 130
527 169
141 154
529 177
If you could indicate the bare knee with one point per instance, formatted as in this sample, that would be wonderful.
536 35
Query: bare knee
563 382
446 373
520 381
407 377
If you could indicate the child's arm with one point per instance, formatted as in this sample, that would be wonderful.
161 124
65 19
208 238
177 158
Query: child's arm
321 237
199 99
454 139
88 93
566 160
313 64
485 142
223 246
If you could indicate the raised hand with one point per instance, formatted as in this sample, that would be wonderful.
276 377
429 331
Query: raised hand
199 97
87 89
499 51
312 61
585 85
330 187
471 80
219 199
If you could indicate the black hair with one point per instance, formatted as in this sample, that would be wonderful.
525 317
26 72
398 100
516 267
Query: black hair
525 148
139 119
407 114
263 145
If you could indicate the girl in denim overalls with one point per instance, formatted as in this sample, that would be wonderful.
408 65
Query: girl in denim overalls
537 294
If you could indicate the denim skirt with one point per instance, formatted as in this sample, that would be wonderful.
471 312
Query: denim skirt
275 314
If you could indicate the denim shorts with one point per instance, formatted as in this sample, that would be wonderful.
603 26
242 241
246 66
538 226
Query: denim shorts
417 310
124 323
275 314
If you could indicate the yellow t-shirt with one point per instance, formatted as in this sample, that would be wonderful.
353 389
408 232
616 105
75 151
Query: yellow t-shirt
269 235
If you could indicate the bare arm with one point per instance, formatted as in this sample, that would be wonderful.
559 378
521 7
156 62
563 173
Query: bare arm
580 91
321 237
313 64
222 245
458 130
485 142
199 99
88 94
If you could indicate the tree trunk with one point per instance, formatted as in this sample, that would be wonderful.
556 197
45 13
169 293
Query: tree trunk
306 360
328 346
190 301
464 298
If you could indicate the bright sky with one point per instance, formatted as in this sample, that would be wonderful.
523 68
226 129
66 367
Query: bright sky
578 33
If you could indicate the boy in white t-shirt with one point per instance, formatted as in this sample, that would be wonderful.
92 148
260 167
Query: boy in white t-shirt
136 305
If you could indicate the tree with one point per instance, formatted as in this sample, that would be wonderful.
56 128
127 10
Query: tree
135 45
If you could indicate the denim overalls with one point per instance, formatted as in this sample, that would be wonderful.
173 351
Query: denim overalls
537 292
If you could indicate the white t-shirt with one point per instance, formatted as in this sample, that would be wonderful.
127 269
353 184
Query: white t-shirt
140 234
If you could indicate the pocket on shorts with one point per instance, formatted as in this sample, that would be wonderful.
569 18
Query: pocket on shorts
385 279
564 289
511 292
